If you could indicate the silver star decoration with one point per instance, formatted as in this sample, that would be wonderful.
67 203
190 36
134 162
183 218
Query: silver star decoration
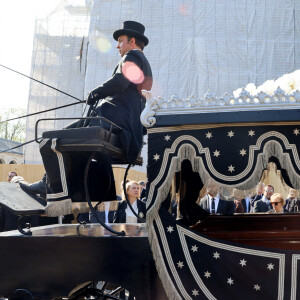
270 266
251 133
195 292
256 287
296 131
180 264
230 134
230 281
156 157
170 229
216 153
194 248
167 137
216 255
208 135
243 262
243 152
207 274
231 168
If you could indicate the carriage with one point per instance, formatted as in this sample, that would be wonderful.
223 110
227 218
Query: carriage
229 140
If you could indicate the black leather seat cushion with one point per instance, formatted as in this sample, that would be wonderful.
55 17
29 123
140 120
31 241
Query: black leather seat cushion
88 133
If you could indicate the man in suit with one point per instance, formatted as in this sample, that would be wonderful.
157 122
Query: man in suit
214 203
246 204
259 194
292 202
264 205
142 185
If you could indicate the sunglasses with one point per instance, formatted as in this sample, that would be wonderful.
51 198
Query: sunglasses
269 190
276 203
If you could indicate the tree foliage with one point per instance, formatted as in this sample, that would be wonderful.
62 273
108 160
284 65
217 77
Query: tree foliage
13 130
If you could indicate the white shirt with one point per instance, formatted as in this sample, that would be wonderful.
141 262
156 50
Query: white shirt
216 202
16 179
106 211
265 199
130 217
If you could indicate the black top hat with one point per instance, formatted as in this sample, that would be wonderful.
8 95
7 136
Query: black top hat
134 29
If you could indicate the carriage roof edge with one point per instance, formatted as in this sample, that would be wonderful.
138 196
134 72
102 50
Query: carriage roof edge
158 108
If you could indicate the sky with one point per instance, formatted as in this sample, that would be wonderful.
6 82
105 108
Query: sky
17 21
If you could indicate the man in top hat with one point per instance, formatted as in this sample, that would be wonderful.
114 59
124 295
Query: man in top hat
122 100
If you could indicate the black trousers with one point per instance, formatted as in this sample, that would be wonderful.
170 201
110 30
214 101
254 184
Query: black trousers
65 172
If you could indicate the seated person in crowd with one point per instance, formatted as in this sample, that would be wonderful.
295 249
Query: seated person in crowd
292 202
124 213
14 178
214 202
259 194
277 203
247 205
240 204
263 205
142 185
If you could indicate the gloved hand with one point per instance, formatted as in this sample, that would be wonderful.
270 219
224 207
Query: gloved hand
92 98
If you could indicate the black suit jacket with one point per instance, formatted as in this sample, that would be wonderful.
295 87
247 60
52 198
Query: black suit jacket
123 102
143 193
225 207
292 205
254 199
245 205
261 206
120 214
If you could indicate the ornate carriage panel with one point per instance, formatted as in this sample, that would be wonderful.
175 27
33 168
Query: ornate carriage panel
231 145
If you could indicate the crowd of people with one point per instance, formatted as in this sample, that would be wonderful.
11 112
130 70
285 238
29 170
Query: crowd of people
120 213
265 200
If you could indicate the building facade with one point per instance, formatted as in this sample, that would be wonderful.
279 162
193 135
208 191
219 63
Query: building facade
14 156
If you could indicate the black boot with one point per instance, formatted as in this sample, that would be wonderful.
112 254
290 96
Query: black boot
35 188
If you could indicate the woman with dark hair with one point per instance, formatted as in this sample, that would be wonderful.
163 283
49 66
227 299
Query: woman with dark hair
124 214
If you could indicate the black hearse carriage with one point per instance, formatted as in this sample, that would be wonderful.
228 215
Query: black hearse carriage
199 256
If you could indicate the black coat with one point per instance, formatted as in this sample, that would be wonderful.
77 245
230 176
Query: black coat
261 206
225 207
245 205
143 193
254 199
123 102
120 214
292 205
